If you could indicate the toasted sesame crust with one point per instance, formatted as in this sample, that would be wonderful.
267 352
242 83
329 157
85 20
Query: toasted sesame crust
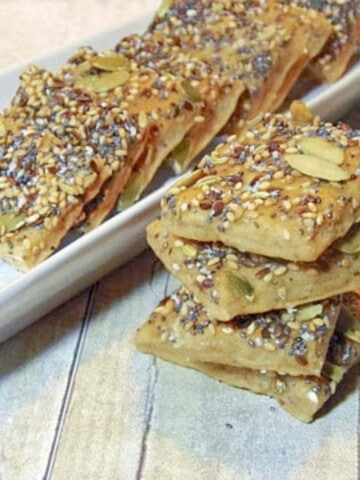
344 17
274 340
302 395
246 194
221 277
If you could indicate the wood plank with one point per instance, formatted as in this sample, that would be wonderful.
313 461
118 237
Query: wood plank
204 429
132 416
34 371
103 432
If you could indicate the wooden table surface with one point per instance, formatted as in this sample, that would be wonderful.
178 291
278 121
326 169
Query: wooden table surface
77 401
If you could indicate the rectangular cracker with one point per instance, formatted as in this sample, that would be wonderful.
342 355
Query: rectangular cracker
263 47
301 396
228 282
246 194
156 99
289 342
52 163
344 17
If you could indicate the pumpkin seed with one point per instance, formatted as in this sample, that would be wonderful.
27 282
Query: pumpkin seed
219 160
89 180
2 128
143 120
308 312
131 192
81 69
164 7
110 63
334 372
321 148
104 82
240 286
69 189
187 179
208 180
12 222
191 92
350 243
352 334
316 167
180 154
300 112
217 7
189 250
267 33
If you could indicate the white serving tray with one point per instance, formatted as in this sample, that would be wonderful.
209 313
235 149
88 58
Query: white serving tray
25 297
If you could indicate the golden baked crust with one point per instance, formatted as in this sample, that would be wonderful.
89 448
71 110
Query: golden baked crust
52 163
258 43
301 396
294 342
228 282
156 92
274 189
344 17
78 134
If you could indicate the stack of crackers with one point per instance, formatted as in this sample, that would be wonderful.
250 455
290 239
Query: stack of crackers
264 237
78 143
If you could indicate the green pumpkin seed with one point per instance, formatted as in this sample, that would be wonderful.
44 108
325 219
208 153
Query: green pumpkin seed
188 179
180 154
219 160
308 312
2 129
191 92
104 82
321 148
110 63
132 191
143 120
300 112
240 286
81 69
352 334
12 222
316 167
350 243
189 251
164 7
208 180
334 372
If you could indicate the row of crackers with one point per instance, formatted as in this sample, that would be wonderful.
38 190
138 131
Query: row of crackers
80 142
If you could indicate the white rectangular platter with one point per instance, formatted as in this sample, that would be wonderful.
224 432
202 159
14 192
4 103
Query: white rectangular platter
25 297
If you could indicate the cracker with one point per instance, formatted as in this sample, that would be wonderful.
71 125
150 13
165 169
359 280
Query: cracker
52 163
287 342
274 189
301 396
338 51
219 276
